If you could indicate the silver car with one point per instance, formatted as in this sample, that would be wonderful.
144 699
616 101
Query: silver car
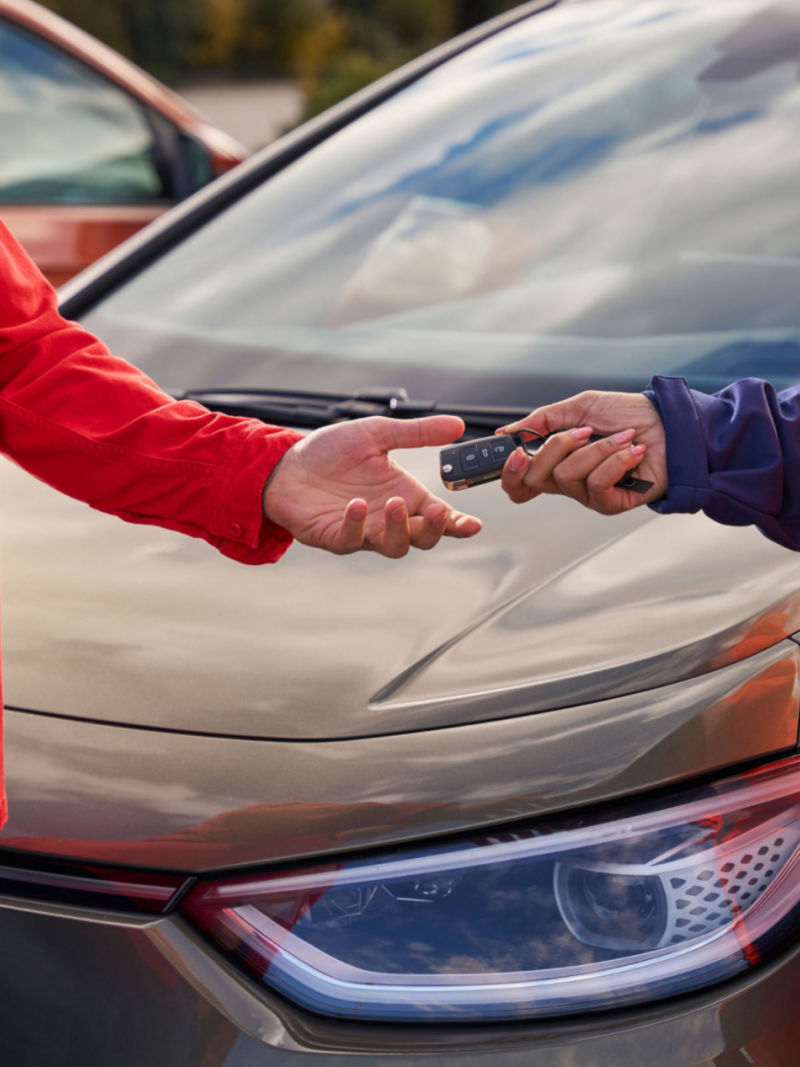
531 799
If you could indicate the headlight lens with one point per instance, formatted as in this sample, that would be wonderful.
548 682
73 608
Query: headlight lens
583 913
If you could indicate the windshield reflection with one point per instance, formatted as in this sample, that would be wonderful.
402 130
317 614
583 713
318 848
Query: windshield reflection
600 193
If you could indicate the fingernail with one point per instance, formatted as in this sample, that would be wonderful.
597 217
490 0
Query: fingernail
637 450
398 514
501 429
517 461
624 437
439 520
582 433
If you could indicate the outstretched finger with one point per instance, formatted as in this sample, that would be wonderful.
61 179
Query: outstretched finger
350 536
601 485
460 525
395 539
427 529
413 433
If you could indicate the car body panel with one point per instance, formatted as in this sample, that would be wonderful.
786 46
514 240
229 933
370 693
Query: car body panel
163 799
164 632
154 993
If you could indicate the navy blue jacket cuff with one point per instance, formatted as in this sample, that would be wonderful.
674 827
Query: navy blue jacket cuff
735 454
687 465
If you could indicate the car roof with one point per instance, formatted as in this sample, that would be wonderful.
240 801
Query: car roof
58 31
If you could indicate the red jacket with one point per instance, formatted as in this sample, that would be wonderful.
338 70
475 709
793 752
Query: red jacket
99 430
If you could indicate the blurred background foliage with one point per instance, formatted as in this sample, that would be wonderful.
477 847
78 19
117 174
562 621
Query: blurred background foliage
332 47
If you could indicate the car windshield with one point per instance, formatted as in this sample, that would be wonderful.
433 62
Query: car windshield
602 192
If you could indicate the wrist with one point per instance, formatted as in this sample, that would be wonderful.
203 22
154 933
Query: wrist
273 492
281 487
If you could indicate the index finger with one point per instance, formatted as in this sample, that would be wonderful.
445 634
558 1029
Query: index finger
563 415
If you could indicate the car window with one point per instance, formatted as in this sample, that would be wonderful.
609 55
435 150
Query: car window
605 191
67 135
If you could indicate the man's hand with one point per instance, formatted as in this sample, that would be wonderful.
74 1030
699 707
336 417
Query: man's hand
633 438
338 489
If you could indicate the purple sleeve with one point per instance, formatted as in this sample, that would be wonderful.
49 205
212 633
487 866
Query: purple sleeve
734 455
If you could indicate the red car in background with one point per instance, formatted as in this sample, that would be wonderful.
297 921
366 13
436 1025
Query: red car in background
91 147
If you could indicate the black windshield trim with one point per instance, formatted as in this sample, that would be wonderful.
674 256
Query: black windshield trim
310 409
80 295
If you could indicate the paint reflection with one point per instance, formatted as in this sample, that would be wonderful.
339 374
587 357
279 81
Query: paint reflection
304 800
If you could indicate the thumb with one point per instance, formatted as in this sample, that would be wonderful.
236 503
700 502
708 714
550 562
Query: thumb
414 433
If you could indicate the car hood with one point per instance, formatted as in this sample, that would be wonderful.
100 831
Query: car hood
549 607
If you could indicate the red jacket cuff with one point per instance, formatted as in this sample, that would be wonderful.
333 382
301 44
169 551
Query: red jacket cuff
244 533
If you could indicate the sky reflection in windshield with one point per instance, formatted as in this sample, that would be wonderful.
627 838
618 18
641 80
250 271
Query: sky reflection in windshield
603 192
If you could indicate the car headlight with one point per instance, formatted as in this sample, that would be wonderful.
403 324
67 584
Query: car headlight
585 912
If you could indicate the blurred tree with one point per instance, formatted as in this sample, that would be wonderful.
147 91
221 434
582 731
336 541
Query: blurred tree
383 34
321 45
156 34
103 18
161 34
333 46
223 26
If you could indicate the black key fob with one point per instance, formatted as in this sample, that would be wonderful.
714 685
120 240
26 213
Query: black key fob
465 465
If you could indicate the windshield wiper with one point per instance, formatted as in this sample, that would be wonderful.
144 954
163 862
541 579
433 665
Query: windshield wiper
314 409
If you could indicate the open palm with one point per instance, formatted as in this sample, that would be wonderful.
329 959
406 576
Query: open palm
338 489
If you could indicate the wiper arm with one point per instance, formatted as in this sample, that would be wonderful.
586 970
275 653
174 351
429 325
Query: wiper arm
314 409
309 408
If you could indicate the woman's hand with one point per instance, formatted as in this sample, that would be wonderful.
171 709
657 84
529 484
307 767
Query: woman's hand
633 438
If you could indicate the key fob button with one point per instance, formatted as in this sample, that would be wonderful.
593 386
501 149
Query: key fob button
501 450
448 460
485 457
469 458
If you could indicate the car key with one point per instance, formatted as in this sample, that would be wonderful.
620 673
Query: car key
483 460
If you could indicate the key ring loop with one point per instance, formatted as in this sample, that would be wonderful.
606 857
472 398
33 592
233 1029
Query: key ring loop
520 442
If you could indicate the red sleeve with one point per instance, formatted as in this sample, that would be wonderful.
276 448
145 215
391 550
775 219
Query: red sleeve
99 430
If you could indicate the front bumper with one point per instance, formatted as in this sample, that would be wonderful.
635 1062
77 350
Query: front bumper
83 989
